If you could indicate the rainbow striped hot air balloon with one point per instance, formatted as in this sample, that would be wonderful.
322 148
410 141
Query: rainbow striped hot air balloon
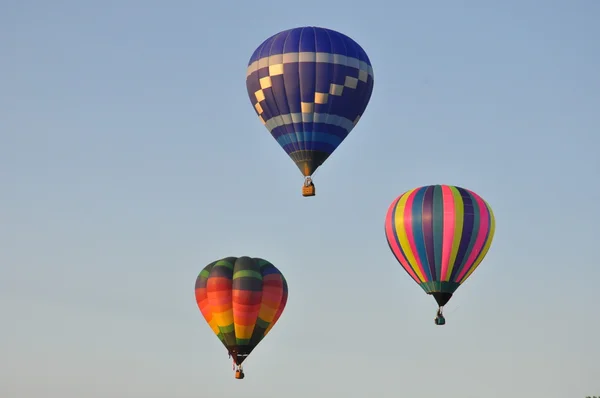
439 234
241 299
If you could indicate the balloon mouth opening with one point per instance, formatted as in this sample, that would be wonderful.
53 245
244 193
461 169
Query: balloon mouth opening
239 354
441 298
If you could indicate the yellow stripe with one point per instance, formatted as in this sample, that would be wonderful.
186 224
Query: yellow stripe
459 218
403 237
271 324
223 318
267 313
213 325
487 245
243 331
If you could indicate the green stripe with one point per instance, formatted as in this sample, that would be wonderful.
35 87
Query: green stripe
227 329
242 341
228 335
438 229
205 273
224 263
247 273
262 323
439 287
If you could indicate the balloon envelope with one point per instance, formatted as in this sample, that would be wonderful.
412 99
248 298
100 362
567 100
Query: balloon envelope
241 299
439 234
309 86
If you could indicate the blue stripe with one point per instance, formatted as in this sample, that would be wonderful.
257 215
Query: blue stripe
306 80
417 227
278 42
467 231
292 42
309 38
331 129
322 41
315 137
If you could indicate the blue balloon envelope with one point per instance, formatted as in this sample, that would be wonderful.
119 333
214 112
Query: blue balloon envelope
309 86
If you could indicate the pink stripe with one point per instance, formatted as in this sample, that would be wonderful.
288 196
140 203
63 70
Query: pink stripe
449 226
389 232
409 231
484 228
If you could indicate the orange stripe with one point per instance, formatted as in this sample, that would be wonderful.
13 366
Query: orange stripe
246 319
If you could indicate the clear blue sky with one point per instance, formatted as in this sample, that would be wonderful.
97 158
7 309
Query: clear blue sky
130 157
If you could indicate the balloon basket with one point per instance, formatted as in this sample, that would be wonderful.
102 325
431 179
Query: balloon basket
239 374
439 319
308 189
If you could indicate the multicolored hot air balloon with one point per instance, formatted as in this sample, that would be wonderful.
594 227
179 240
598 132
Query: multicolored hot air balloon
440 234
241 299
309 87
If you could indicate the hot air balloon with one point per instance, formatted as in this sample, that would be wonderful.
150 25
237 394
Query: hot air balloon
439 234
309 86
241 299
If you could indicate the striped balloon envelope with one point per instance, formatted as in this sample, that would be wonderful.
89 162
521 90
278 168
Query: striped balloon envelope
439 234
309 86
241 299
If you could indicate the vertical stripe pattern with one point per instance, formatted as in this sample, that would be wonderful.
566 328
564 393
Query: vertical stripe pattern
309 86
241 299
439 234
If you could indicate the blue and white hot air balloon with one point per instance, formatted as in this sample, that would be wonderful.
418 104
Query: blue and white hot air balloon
309 86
